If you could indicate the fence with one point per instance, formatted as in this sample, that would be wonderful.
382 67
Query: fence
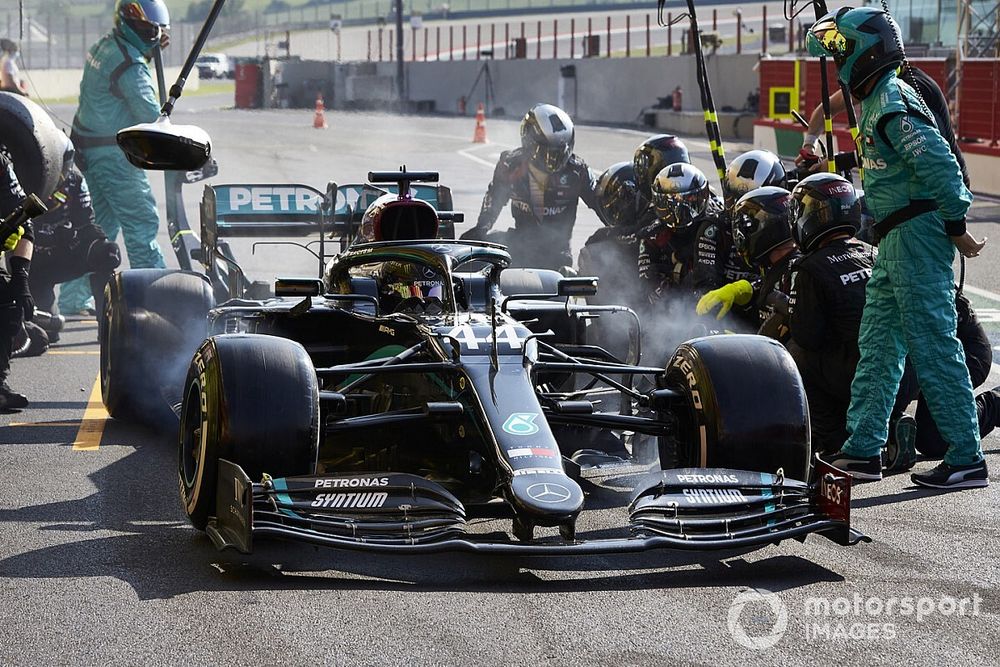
609 36
979 100
787 84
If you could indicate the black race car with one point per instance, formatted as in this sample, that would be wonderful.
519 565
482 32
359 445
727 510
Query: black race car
420 384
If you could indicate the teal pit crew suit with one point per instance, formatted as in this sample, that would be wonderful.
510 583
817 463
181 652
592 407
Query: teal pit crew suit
915 190
117 91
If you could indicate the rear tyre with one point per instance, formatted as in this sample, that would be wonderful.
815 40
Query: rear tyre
250 399
151 323
746 407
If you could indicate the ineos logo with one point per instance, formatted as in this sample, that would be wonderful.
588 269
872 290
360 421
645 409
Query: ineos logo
549 493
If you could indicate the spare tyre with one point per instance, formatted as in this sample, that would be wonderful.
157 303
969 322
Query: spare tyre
36 146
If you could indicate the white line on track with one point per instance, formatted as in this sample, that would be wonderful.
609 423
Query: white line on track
979 291
475 158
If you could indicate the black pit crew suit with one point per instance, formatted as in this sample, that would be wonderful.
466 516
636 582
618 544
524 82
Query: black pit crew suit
13 284
543 206
717 263
979 360
771 294
667 258
825 306
70 244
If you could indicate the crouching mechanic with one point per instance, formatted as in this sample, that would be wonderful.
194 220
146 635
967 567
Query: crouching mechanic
763 239
915 191
16 304
544 181
683 202
717 260
69 244
117 91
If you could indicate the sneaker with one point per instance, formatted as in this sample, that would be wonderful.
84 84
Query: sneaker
900 452
865 469
11 400
946 476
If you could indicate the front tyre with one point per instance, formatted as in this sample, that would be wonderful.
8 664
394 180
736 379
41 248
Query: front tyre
746 407
250 399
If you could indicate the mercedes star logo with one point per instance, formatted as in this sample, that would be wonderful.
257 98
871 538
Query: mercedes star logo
549 493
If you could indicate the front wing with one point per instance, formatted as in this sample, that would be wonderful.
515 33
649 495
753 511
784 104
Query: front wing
690 509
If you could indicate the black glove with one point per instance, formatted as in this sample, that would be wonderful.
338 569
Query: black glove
19 284
475 234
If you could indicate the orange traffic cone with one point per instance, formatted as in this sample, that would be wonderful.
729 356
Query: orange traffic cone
479 136
319 119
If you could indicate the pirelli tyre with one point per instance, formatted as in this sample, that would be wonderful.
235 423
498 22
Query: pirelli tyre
151 323
250 399
745 407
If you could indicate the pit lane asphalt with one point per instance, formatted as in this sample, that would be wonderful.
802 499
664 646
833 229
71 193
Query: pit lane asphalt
97 562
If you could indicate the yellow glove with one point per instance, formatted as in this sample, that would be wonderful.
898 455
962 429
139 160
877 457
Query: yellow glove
11 241
738 293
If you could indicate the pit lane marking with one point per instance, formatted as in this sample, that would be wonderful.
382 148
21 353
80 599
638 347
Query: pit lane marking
94 352
475 158
88 438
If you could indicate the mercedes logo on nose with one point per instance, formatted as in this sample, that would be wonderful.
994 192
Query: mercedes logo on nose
549 493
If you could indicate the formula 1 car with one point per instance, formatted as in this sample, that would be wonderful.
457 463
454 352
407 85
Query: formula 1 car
419 383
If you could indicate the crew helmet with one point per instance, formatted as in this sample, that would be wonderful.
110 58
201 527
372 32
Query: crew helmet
864 43
547 137
760 223
751 170
823 205
653 155
680 195
141 22
616 192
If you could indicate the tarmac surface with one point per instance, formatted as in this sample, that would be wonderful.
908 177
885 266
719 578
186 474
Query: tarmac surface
98 563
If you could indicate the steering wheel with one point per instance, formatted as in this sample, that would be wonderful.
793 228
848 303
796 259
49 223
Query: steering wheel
423 306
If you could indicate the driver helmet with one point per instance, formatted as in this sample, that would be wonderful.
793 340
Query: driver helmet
616 191
391 218
399 281
760 223
547 137
864 43
680 196
751 170
141 22
823 205
652 156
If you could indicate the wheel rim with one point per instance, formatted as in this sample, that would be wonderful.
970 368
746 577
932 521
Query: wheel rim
191 437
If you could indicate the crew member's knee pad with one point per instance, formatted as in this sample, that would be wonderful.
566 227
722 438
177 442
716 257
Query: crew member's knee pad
103 256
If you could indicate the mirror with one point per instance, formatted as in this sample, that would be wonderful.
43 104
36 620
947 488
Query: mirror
163 146
577 287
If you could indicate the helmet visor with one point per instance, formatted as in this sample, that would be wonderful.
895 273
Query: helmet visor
825 39
678 210
743 228
551 158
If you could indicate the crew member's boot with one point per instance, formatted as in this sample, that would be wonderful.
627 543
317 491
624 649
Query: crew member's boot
10 399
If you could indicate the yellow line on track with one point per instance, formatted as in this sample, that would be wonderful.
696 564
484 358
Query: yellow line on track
88 438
